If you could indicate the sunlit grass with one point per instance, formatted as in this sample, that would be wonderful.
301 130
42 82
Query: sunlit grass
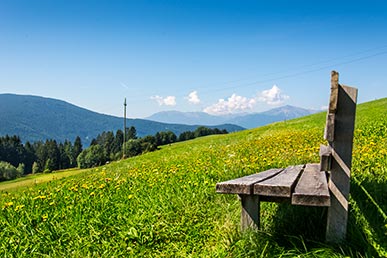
34 179
164 203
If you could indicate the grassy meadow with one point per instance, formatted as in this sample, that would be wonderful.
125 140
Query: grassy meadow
163 204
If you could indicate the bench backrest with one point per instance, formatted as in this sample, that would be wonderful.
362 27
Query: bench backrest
339 134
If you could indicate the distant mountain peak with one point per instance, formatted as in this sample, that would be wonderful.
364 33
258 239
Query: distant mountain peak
242 119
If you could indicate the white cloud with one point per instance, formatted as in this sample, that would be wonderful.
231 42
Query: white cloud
273 96
233 104
193 98
167 101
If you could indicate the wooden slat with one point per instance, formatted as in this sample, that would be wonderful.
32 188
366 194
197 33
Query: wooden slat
281 185
325 158
341 164
312 188
329 133
333 99
334 92
244 185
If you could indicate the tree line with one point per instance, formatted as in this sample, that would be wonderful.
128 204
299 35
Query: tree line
108 146
35 157
17 159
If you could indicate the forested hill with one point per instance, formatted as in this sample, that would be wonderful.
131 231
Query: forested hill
36 118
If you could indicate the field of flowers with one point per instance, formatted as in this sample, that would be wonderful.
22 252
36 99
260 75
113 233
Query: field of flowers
163 204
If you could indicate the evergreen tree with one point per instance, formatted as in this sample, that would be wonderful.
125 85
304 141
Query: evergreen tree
131 133
148 143
108 142
158 139
29 158
53 156
12 150
202 131
118 141
65 159
41 155
77 147
185 136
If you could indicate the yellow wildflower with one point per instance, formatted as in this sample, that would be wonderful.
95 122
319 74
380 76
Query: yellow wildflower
19 207
85 186
39 197
8 204
44 217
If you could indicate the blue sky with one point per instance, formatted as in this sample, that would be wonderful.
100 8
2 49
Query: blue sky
214 56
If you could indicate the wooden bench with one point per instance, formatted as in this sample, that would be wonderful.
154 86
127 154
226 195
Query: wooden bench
325 184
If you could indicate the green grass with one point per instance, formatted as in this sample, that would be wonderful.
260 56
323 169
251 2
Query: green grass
34 179
163 204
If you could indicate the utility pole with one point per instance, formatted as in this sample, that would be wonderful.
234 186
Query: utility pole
124 140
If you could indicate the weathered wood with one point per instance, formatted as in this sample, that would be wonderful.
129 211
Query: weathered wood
276 199
244 185
280 185
339 182
250 211
329 132
312 188
334 92
332 108
325 158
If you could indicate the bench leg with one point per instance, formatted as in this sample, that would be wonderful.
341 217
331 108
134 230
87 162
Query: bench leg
250 211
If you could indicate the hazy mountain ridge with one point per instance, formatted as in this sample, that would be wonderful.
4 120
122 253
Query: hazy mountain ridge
243 120
36 118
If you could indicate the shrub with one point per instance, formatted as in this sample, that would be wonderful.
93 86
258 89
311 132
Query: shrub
91 157
132 148
9 172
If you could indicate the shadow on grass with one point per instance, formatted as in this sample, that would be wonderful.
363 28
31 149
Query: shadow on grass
368 219
300 231
288 230
303 228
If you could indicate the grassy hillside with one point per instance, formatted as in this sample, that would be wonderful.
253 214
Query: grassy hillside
164 203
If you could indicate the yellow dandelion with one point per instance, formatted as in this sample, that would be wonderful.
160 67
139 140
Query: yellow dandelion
8 204
44 217
19 207
85 186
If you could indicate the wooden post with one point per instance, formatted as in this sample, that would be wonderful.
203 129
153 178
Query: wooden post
250 211
339 133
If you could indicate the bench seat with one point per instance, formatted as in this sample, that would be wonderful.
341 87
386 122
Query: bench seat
300 185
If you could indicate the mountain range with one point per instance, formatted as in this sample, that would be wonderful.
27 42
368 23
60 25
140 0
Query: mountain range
36 118
243 120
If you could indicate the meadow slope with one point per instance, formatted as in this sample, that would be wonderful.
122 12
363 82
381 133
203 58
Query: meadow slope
163 204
